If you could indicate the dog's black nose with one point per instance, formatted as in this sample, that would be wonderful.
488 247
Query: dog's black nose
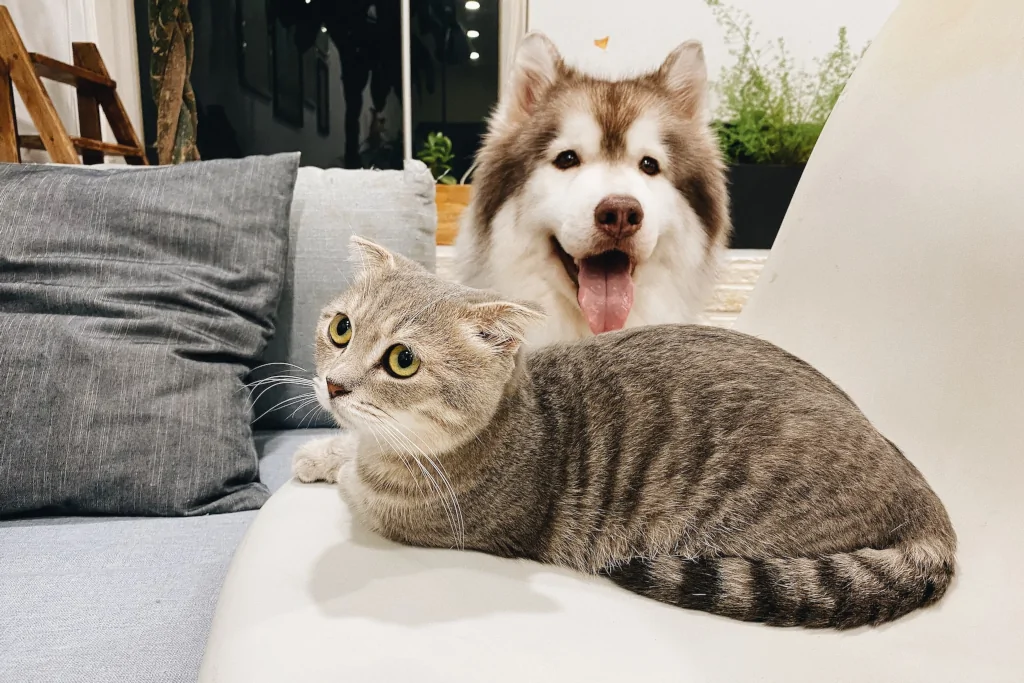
334 390
619 215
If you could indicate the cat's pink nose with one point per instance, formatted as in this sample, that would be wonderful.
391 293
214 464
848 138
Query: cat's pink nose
335 390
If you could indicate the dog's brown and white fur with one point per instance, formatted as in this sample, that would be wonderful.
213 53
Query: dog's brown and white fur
567 201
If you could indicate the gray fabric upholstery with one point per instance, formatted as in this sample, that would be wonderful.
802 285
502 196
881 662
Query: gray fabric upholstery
99 600
393 208
276 449
131 305
131 599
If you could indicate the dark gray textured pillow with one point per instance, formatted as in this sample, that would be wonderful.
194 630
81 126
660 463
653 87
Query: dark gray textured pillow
132 304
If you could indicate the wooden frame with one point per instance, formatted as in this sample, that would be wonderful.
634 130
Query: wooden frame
24 70
9 150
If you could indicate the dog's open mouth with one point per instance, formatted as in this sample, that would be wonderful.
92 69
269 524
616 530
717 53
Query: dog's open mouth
604 284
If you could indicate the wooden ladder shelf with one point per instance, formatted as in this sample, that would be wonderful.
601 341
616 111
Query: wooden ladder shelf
25 70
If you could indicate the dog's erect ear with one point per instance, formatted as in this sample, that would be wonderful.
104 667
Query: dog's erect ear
371 256
536 66
685 74
503 324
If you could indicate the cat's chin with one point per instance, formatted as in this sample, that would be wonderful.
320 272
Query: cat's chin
344 420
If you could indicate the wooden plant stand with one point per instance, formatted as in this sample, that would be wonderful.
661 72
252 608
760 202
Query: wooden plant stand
25 70
451 201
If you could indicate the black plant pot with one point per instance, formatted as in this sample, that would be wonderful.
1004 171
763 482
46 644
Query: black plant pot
759 195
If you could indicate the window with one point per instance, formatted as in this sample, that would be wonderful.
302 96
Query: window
324 77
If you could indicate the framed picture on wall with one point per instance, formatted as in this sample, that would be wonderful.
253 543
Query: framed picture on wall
287 77
319 51
309 61
253 37
323 97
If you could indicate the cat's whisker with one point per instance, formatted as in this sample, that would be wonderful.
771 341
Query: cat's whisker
449 514
282 404
460 531
269 387
263 388
395 439
283 379
268 383
391 445
311 414
373 431
453 513
309 400
380 447
285 375
290 365
460 518
404 459
443 473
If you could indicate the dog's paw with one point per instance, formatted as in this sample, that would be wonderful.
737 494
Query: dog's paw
319 460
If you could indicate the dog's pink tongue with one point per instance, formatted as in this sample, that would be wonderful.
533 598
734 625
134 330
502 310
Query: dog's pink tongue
606 292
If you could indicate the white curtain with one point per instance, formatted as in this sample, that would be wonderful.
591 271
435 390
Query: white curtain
513 24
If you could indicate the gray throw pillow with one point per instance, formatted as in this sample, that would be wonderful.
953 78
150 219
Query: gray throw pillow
132 304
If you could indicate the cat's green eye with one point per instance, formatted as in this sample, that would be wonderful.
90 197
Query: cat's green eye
340 330
401 362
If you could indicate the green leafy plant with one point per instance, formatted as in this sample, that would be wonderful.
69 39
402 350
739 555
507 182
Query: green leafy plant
770 111
437 155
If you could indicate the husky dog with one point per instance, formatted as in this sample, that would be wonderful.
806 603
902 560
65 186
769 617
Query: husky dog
602 200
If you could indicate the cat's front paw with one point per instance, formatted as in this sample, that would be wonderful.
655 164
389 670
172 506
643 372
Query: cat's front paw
320 460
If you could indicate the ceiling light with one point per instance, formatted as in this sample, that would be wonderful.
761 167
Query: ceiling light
473 33
323 29
474 55
308 1
472 5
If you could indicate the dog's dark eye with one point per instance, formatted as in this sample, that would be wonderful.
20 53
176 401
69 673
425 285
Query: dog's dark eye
650 166
566 160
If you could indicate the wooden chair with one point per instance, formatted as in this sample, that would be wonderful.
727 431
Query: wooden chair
25 70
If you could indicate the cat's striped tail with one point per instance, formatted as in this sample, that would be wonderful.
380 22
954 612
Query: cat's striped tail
842 590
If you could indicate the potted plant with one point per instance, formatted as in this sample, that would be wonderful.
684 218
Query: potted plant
452 197
770 114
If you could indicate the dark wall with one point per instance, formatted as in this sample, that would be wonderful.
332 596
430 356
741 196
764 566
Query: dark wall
235 121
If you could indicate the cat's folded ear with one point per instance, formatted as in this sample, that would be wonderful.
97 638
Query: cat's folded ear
504 323
370 255
373 258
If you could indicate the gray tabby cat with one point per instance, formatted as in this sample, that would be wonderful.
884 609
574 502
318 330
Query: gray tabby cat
697 466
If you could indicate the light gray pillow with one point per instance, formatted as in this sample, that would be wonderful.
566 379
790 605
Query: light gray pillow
132 304
393 208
